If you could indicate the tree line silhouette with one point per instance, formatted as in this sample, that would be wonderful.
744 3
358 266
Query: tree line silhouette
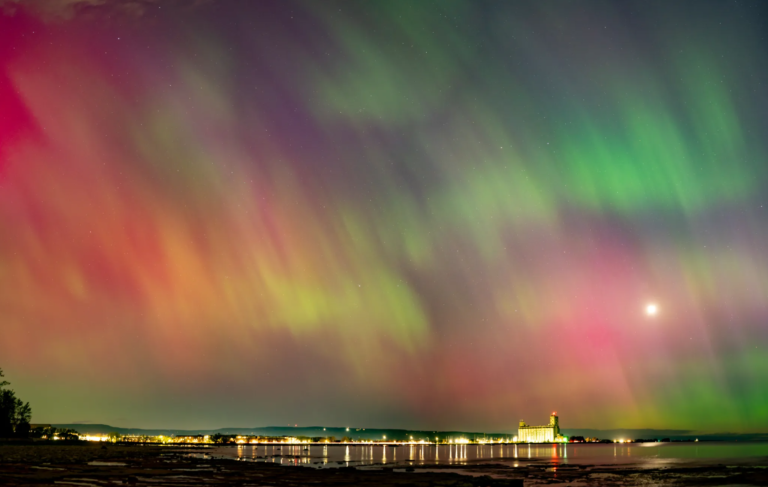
14 413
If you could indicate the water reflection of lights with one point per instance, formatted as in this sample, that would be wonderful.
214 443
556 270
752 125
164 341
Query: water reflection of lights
377 453
461 452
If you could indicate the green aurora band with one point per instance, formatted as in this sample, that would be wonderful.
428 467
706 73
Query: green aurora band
421 214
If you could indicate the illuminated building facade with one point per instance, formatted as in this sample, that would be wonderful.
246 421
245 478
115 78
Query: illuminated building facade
540 434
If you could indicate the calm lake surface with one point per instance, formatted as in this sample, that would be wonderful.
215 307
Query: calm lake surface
651 455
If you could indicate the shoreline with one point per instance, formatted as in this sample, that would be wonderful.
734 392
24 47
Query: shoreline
99 465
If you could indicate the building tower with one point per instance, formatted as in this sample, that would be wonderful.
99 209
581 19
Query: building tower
554 422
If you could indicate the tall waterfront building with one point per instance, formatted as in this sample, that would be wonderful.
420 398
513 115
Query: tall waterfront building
540 434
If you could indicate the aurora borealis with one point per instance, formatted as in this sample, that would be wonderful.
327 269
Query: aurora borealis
417 214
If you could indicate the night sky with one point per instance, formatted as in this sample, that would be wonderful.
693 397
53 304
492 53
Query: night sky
416 214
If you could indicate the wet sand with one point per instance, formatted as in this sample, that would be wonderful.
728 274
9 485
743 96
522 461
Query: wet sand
101 465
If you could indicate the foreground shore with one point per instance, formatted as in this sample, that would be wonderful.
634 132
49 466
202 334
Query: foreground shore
100 465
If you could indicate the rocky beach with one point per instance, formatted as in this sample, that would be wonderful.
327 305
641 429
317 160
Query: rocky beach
101 465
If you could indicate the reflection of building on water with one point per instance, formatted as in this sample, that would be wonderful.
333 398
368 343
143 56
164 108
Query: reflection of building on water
540 434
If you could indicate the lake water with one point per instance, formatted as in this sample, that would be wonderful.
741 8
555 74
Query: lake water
651 455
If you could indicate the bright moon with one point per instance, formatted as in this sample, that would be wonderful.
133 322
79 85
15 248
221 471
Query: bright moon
651 309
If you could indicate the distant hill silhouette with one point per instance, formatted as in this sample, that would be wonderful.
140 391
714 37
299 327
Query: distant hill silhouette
401 434
308 431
